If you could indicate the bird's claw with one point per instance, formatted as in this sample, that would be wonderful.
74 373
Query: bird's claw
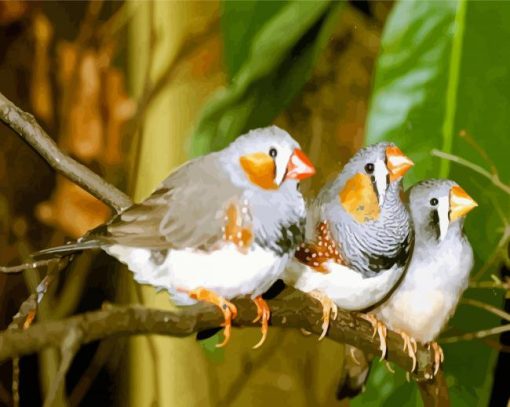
263 314
411 346
329 310
380 329
228 309
438 356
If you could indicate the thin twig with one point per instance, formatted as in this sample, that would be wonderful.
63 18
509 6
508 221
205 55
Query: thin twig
494 178
471 140
487 307
27 266
495 284
476 335
25 125
104 349
68 349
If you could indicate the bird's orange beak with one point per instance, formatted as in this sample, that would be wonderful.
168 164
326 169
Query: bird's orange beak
398 163
300 167
460 203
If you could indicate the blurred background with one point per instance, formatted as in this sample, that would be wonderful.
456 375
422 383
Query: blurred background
133 89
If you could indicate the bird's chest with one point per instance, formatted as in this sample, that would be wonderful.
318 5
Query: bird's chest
427 297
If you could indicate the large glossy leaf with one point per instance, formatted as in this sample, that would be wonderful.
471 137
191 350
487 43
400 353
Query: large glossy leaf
240 22
278 59
441 73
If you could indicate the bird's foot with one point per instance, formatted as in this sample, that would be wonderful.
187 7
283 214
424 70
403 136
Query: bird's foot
329 309
380 329
352 351
411 346
263 314
388 367
438 356
228 309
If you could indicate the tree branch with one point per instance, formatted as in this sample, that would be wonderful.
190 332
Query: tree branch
31 132
435 393
292 309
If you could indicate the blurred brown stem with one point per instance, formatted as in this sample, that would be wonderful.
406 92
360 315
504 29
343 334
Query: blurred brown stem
187 48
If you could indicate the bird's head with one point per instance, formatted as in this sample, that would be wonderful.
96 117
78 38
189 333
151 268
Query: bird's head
365 179
269 157
437 204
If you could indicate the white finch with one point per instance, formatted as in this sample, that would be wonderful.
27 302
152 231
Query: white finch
440 265
358 235
220 226
434 281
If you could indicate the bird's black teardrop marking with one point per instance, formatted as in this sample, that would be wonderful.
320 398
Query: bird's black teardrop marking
433 224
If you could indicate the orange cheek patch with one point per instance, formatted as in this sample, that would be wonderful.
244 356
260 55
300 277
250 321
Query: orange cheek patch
359 199
260 169
315 255
234 231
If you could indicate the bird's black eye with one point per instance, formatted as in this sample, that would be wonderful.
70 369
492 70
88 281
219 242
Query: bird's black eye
369 168
434 201
273 152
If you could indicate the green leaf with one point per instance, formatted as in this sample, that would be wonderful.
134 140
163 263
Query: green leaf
240 22
442 72
278 62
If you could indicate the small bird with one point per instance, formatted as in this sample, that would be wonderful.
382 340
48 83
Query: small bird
435 279
439 269
220 226
358 235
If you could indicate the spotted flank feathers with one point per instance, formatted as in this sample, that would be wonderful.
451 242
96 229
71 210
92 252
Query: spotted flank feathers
315 255
237 228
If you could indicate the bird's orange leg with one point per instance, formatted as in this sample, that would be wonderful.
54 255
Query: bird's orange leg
438 356
228 309
263 314
329 309
411 346
379 328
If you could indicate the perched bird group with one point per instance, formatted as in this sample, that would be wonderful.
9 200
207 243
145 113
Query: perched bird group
233 222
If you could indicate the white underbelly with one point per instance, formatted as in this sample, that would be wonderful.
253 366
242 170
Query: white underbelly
227 272
419 313
346 287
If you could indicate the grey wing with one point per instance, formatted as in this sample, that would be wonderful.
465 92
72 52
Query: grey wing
187 210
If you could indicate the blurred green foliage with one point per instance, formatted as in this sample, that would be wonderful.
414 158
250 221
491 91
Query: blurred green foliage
442 71
270 49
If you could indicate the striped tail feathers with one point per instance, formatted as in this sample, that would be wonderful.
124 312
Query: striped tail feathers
66 250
